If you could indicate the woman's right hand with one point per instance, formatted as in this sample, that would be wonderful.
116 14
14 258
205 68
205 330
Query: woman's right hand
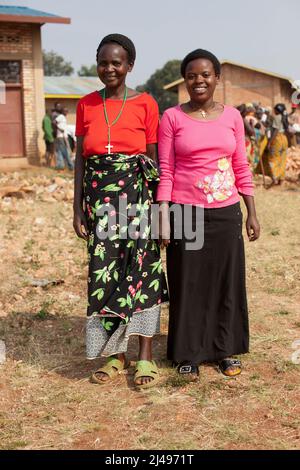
80 224
164 225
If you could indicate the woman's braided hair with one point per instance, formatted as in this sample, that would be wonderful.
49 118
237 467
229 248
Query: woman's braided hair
123 41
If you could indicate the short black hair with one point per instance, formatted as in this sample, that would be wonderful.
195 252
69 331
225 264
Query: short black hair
123 41
201 54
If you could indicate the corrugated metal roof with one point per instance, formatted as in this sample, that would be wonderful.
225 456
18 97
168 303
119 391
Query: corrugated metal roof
17 14
22 11
66 86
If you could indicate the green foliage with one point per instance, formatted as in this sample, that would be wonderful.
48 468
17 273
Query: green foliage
86 71
55 65
154 85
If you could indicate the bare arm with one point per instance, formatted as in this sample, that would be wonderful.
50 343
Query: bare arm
151 151
79 221
252 224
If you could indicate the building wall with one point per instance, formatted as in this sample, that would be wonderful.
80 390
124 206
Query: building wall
240 85
28 50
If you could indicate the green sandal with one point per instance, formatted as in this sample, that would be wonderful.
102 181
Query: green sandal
112 368
146 369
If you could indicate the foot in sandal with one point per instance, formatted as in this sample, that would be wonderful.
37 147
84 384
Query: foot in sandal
230 367
146 374
114 366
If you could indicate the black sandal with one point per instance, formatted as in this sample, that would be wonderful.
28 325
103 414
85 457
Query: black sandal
226 364
187 368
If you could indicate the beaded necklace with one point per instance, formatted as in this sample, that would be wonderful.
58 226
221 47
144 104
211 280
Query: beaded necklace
109 125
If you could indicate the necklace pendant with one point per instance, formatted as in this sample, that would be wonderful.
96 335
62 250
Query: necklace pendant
109 147
203 113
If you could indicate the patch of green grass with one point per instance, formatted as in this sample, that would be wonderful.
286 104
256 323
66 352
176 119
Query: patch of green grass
177 380
254 377
282 312
277 290
13 445
28 245
43 313
282 366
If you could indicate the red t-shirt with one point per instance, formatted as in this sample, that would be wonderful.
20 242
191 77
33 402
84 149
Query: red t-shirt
136 127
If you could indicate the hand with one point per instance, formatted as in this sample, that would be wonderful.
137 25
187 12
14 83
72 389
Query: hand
164 226
253 228
80 224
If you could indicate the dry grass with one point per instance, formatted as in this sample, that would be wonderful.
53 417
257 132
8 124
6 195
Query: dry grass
46 400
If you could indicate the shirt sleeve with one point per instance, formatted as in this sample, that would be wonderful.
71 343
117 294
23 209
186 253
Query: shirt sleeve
80 130
240 165
152 120
166 155
61 123
47 126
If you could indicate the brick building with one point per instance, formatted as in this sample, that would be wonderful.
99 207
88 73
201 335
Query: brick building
21 77
243 84
67 91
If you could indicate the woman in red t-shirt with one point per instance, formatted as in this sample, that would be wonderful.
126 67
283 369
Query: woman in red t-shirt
115 168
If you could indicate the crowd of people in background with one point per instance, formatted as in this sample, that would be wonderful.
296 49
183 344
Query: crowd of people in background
59 138
268 134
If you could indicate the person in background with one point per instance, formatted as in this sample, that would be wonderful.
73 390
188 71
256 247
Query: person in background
63 151
294 126
278 145
260 133
251 118
48 138
249 134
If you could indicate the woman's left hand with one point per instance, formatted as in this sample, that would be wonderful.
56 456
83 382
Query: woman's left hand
253 228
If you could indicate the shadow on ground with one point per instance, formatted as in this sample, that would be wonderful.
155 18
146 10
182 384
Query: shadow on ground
57 344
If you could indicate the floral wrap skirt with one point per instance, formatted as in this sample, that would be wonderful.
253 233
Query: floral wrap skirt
126 282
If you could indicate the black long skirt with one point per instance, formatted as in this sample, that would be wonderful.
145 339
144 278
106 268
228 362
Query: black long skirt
208 303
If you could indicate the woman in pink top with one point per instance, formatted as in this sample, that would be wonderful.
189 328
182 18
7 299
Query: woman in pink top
204 167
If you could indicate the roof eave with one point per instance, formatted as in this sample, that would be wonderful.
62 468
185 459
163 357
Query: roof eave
34 19
62 96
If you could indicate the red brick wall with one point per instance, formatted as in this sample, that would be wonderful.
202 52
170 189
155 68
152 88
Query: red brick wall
23 51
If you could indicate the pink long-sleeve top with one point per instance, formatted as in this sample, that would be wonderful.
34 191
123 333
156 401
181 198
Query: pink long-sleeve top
203 163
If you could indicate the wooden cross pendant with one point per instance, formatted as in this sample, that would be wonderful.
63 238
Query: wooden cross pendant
109 147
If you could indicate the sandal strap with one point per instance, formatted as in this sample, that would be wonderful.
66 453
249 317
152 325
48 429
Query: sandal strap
145 369
112 367
187 369
226 363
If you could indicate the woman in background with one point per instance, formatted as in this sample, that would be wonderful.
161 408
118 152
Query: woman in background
278 145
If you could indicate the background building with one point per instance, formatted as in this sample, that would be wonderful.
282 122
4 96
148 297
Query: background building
21 69
243 84
67 91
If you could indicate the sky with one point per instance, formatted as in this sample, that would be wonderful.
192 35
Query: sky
258 33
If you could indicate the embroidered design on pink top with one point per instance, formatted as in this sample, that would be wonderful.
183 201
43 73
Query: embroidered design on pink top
218 187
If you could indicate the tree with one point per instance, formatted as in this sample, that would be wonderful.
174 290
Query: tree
86 71
154 85
55 65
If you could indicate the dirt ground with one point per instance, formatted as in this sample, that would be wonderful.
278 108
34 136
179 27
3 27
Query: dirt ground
46 399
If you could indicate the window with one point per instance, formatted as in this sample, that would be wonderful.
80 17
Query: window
10 71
